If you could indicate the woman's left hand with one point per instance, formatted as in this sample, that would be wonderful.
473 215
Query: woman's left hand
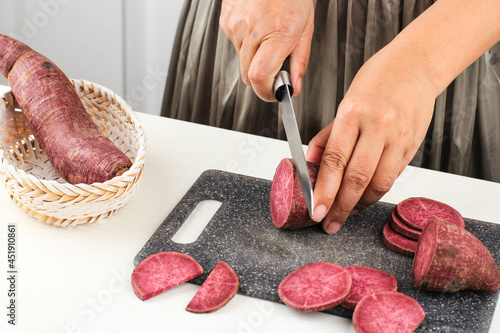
379 126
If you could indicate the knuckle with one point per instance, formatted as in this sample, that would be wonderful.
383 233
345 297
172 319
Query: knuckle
381 116
404 130
244 78
346 108
363 204
334 161
281 28
357 179
351 111
223 22
381 187
227 24
341 210
388 114
256 75
292 31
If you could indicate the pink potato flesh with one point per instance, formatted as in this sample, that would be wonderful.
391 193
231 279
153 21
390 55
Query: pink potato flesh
403 228
450 258
387 311
288 207
417 211
218 289
397 242
366 280
315 286
162 271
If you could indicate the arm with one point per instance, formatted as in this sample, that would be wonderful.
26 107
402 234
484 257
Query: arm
385 114
450 36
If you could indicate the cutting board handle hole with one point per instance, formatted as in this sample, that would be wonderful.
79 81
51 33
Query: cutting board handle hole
196 222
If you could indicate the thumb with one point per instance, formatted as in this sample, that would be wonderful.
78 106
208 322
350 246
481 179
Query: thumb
299 60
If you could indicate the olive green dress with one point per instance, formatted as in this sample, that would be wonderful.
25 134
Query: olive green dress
204 84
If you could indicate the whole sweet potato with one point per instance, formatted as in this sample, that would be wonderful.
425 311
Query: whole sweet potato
57 117
450 258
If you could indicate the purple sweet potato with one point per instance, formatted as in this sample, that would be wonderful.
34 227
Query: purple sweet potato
450 258
403 228
366 280
288 207
315 286
417 211
162 271
397 242
57 117
387 311
218 289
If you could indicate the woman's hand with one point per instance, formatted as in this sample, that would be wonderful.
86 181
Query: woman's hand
379 126
264 33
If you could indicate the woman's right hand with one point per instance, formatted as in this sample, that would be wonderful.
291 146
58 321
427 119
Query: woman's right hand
264 33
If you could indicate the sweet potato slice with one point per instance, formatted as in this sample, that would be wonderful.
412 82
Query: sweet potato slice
315 286
162 271
417 211
366 280
398 243
218 289
403 228
288 207
387 311
450 258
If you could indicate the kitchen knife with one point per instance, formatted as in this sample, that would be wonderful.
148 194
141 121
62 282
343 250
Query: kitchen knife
283 91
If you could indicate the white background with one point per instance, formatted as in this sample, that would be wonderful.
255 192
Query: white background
124 45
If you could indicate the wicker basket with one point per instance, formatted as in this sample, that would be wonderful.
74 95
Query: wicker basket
33 182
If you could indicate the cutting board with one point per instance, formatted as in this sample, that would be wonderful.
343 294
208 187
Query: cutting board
242 234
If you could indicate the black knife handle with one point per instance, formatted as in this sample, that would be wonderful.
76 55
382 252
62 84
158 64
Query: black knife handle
283 80
286 65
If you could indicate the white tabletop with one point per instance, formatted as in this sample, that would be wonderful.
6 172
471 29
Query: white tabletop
77 279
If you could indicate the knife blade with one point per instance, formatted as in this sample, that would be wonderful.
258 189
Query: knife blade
283 91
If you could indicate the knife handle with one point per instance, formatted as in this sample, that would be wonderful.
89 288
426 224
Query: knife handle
283 80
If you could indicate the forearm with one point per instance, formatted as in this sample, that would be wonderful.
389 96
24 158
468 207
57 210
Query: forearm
448 37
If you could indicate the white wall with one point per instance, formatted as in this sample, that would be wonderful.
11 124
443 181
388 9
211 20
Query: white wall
124 45
150 27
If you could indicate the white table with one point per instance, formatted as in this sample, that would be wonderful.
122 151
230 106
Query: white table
77 279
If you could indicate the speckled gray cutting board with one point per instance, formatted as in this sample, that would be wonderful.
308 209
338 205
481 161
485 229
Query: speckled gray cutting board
242 234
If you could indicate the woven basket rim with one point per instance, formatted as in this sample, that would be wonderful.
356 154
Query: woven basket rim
134 169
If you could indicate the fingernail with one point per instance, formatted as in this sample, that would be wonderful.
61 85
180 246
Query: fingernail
299 85
333 227
354 212
319 213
